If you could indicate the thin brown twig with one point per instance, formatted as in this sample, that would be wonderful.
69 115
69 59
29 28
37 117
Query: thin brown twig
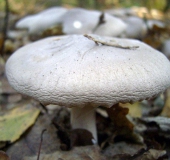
40 143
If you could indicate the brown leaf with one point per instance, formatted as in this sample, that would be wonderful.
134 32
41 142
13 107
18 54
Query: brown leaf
3 156
124 151
155 36
118 115
1 42
151 154
78 153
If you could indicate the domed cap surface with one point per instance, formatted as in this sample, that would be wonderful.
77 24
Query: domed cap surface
76 70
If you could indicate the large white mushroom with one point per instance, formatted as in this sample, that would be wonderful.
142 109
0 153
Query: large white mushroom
84 72
41 21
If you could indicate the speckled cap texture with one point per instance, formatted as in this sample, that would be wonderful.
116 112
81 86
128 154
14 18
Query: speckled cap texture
76 71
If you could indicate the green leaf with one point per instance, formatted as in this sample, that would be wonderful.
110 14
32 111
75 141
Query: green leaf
16 121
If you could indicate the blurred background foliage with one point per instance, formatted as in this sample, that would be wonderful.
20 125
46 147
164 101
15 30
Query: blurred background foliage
31 6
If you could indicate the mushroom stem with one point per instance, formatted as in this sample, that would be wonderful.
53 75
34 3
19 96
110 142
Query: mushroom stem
84 118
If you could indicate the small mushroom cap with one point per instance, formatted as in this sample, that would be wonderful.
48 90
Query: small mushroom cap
74 70
82 21
166 48
41 21
112 26
136 27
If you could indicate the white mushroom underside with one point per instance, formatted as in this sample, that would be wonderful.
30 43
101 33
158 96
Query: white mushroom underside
75 71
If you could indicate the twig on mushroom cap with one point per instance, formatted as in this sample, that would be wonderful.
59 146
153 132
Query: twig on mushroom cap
109 43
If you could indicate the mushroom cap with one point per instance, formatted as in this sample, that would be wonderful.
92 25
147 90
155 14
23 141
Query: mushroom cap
41 21
112 26
75 71
166 48
82 21
136 27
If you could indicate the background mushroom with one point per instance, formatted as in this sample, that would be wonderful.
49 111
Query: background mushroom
112 26
166 48
136 27
82 21
84 72
41 21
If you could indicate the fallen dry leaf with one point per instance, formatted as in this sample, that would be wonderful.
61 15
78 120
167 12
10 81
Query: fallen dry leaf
28 145
16 121
153 154
163 123
77 153
155 36
123 149
118 115
3 156
1 41
123 127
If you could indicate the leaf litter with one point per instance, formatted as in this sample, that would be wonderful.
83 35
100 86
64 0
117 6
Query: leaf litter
142 134
17 120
